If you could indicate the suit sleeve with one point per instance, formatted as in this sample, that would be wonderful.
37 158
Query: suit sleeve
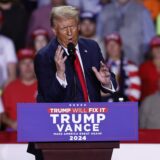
49 89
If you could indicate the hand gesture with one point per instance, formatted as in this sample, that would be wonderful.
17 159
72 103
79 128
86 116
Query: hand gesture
60 62
103 75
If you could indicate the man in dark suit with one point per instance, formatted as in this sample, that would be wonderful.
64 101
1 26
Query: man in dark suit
59 80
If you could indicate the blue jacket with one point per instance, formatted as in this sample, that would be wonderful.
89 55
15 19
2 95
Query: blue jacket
50 90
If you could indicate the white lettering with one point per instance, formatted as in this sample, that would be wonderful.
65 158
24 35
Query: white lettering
100 117
65 118
60 127
68 128
54 118
78 119
95 127
88 118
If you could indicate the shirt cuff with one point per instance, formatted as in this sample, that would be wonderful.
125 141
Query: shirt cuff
63 83
112 89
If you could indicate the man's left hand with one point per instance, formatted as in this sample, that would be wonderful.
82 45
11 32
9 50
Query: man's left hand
103 75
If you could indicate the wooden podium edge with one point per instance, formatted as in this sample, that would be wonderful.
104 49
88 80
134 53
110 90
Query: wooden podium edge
78 145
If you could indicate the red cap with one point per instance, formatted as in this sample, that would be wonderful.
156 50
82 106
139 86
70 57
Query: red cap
155 41
26 53
113 37
39 31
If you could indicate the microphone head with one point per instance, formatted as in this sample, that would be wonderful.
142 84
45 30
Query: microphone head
71 48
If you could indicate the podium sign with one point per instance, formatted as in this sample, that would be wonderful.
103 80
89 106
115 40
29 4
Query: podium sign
69 122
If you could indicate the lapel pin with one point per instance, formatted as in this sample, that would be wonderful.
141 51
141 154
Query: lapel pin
85 51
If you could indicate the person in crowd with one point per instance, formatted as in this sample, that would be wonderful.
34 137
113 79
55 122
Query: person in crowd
8 59
23 89
40 38
126 71
76 74
133 22
88 6
150 69
149 112
15 22
40 19
88 28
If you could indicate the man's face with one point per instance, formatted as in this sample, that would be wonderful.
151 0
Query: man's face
87 28
66 31
39 42
113 49
156 52
26 69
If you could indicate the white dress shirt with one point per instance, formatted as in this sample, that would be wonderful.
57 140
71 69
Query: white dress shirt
64 82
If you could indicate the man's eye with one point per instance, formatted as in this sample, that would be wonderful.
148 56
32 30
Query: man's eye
64 28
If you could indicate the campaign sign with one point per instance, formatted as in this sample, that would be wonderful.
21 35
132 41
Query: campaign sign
57 122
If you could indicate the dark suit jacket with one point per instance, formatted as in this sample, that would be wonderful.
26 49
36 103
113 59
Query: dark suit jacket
50 90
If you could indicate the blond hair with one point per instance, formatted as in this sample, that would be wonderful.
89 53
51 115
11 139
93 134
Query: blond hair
63 12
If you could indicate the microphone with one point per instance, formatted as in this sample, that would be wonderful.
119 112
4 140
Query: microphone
71 50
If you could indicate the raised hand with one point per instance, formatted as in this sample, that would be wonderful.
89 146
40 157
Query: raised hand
103 75
60 62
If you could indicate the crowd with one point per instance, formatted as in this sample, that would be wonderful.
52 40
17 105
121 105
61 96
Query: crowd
126 31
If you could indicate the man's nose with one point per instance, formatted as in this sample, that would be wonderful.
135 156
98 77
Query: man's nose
69 31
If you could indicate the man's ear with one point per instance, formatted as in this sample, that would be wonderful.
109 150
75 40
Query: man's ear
54 31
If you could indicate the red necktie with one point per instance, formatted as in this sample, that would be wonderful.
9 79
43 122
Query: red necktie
80 75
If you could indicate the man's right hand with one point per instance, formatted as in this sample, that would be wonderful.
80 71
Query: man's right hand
60 62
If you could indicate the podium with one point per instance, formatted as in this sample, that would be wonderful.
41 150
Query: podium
77 131
77 151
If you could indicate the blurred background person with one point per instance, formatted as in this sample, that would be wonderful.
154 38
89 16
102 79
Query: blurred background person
88 28
150 69
40 18
8 59
149 114
132 21
40 39
23 89
126 72
93 6
15 21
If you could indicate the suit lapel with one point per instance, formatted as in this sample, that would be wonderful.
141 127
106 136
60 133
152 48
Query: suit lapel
84 56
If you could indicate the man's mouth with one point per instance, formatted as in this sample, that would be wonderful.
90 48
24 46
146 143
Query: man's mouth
70 40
